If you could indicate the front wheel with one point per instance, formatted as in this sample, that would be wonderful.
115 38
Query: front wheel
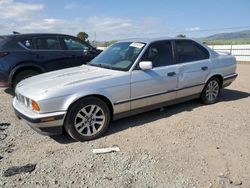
87 119
211 91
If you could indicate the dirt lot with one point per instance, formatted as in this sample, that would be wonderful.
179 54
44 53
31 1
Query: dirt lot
186 145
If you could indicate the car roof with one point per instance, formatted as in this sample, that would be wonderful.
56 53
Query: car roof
149 40
34 35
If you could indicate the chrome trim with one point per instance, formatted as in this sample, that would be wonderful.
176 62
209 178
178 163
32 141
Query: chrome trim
230 76
154 106
142 97
154 94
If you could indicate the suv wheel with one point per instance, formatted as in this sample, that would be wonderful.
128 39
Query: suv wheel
87 119
23 75
211 91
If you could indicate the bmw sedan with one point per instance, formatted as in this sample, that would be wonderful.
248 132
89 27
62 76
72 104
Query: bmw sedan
130 77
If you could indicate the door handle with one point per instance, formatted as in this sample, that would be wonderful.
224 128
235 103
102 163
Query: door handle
171 74
39 56
204 68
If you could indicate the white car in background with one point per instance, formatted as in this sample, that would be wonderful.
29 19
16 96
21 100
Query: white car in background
130 77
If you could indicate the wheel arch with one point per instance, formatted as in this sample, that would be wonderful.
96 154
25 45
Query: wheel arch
24 66
99 96
219 76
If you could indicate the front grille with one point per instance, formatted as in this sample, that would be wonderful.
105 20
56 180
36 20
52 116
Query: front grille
23 100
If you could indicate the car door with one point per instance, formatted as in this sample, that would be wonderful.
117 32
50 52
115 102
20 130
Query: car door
194 67
49 53
79 52
156 85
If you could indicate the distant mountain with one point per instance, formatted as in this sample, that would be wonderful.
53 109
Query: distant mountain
230 36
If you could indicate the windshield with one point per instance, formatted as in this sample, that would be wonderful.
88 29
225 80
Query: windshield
119 56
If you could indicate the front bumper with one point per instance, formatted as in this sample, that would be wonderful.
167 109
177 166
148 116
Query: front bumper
45 124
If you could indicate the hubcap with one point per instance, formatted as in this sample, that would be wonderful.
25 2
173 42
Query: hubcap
89 120
212 90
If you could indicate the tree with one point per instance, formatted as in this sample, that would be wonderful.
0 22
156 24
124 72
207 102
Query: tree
82 36
181 36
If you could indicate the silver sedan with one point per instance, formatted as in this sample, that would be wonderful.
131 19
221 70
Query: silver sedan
129 77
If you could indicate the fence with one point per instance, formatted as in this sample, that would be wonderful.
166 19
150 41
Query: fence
241 52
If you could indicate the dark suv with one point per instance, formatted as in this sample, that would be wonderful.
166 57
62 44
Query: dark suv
26 55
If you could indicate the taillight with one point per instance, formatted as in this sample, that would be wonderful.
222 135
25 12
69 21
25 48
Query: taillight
3 54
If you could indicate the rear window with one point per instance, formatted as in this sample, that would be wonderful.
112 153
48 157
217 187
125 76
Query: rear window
5 43
2 40
27 43
187 51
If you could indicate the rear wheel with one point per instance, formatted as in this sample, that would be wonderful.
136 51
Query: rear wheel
23 75
211 91
87 119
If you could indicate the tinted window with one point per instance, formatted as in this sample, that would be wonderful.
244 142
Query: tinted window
186 51
1 39
27 43
159 53
72 44
9 43
47 43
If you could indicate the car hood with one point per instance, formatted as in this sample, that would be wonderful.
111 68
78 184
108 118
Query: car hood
54 81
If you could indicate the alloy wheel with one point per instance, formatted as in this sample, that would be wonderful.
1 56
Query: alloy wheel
89 120
212 90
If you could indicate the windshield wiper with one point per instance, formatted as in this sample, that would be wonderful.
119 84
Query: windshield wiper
103 65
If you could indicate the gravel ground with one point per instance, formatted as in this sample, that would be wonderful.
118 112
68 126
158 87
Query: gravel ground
186 145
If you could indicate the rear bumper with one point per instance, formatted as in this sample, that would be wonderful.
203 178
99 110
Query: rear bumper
3 79
45 124
227 80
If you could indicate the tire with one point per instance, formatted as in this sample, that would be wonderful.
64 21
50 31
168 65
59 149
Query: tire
23 75
82 125
211 91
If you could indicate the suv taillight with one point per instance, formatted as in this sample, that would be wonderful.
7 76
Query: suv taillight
3 54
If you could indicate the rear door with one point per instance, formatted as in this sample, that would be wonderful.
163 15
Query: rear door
193 67
49 53
78 52
157 85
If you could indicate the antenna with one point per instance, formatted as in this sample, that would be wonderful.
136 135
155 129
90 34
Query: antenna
15 32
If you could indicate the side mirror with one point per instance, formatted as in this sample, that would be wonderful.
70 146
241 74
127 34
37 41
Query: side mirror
85 50
145 65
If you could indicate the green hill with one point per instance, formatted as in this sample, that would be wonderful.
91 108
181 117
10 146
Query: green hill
240 37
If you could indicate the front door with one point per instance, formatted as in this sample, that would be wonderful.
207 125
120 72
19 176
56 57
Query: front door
49 53
78 52
157 85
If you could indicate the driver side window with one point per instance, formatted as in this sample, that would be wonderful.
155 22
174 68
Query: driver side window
159 53
72 44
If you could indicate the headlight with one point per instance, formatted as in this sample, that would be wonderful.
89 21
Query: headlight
29 103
